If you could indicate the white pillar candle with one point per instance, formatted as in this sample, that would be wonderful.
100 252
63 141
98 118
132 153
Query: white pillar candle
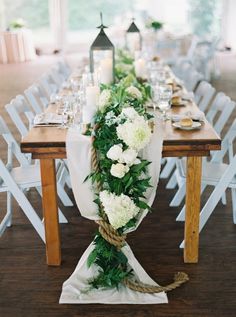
92 96
90 108
106 71
140 68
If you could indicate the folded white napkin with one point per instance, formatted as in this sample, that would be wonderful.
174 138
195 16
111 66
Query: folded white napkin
49 118
196 116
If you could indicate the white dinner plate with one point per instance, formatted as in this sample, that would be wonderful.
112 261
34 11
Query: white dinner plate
195 125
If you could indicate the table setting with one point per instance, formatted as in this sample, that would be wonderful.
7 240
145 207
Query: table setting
114 120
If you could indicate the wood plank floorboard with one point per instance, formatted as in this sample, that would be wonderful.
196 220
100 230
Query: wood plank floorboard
28 288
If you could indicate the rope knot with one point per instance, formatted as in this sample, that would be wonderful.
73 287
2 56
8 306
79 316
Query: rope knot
110 234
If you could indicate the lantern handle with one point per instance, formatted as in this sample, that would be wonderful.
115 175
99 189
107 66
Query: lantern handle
101 26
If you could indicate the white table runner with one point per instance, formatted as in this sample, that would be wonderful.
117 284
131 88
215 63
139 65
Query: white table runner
76 289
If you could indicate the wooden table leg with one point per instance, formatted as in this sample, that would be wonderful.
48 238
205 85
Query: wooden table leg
50 211
193 197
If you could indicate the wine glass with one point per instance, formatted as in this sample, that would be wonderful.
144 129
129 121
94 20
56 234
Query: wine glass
64 113
165 94
155 95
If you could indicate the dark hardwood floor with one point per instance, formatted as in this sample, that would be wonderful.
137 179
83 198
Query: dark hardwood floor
28 288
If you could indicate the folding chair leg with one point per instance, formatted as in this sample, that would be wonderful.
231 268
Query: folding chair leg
179 196
170 164
172 182
30 213
65 199
223 199
9 208
4 223
233 194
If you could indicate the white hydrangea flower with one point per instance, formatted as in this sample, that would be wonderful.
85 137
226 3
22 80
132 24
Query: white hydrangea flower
119 170
128 157
137 161
110 115
115 152
130 113
119 209
134 92
104 99
135 134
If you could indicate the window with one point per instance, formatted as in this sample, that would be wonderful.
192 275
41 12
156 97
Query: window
34 12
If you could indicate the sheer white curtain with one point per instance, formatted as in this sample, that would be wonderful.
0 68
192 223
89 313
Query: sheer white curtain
2 16
58 22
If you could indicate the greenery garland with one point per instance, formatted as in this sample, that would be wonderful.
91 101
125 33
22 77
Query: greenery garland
122 130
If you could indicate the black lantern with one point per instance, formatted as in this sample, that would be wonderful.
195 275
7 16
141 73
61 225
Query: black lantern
133 38
102 56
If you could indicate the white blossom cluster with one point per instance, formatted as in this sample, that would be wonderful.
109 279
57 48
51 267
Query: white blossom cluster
119 209
135 133
134 92
124 159
104 99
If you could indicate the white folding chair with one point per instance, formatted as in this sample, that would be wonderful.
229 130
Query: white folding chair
18 108
226 108
16 180
222 105
36 98
192 79
221 176
64 69
203 95
220 109
48 85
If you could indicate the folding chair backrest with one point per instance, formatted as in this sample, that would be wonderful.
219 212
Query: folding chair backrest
203 94
36 98
15 109
46 82
222 107
226 144
57 76
13 147
185 69
64 69
192 79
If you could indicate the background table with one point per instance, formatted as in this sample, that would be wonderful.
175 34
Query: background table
48 144
16 46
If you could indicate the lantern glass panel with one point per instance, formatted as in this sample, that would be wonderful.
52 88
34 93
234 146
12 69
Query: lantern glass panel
133 41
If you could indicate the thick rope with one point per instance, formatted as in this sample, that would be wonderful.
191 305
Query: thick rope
110 234
179 279
113 237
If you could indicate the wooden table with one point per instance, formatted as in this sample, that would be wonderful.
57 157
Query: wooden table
48 144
